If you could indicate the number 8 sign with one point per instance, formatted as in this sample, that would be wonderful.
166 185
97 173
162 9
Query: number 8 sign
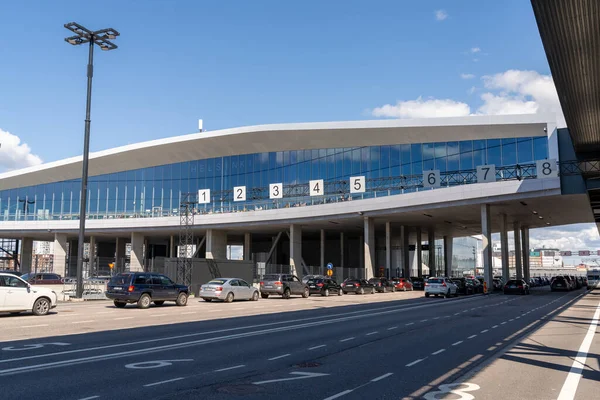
546 169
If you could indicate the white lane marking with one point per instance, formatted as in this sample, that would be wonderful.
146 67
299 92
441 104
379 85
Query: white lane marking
392 328
569 388
494 327
82 322
163 382
438 352
340 394
423 320
345 340
382 377
437 318
471 337
511 320
518 317
457 343
414 362
372 333
317 347
213 310
159 315
122 318
502 323
229 368
90 398
484 331
33 326
278 357
410 323
456 313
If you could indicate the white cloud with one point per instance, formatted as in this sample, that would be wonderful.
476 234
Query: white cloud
14 154
509 92
571 237
440 15
467 76
423 109
475 50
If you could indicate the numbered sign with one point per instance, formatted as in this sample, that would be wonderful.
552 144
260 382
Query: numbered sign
431 178
486 173
276 191
316 187
204 196
546 169
239 193
357 184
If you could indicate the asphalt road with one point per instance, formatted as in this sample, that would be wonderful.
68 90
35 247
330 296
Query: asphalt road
410 348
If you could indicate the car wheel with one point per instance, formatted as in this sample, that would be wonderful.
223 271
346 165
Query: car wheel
426 294
182 299
144 301
393 289
361 291
120 304
306 293
286 293
264 296
373 291
255 296
340 292
447 295
404 289
207 300
159 302
41 306
229 297
326 293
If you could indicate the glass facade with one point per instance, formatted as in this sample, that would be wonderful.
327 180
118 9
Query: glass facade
156 191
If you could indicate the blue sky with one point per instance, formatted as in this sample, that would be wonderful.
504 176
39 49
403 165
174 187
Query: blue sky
236 63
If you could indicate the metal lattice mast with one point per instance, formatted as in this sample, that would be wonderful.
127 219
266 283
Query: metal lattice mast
186 238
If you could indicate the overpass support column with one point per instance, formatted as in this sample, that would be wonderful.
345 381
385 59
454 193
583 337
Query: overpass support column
486 233
405 252
342 251
296 250
517 234
504 247
59 260
26 255
525 243
448 255
216 244
172 247
120 255
136 262
92 255
419 253
369 246
431 240
247 246
322 250
388 249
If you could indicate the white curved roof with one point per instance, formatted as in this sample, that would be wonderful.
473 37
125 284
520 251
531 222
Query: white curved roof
278 137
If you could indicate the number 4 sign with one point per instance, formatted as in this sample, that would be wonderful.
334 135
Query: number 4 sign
546 169
316 187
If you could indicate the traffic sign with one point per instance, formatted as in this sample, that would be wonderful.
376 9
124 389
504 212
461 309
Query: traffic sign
329 272
329 266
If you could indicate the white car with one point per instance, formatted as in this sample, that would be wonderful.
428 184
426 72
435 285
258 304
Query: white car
17 296
440 286
228 289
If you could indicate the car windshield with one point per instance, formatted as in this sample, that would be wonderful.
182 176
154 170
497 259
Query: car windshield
271 278
435 280
120 279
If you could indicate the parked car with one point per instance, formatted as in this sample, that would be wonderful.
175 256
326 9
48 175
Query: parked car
418 283
516 286
306 278
477 285
440 286
463 286
10 271
43 278
324 286
403 284
284 285
357 286
228 289
498 284
559 283
17 296
144 288
382 285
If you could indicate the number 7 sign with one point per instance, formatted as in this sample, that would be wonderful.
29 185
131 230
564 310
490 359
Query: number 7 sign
486 173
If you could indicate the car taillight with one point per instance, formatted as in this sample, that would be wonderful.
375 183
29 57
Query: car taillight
343 285
319 284
444 284
219 288
262 284
277 283
520 286
358 285
131 288
426 284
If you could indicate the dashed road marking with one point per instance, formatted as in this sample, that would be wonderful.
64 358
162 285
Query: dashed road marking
345 340
414 362
340 394
494 327
82 322
483 331
371 333
163 382
317 347
122 318
471 337
457 343
230 368
438 352
278 357
382 377
392 328
410 323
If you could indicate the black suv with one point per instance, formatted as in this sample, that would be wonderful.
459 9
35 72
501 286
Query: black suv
143 288
324 286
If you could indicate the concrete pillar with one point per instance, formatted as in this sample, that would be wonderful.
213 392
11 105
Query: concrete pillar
388 249
296 250
172 247
517 233
432 262
448 256
486 233
369 247
419 252
247 246
120 255
525 242
361 256
342 247
26 255
405 252
92 255
322 250
59 260
136 262
504 247
216 244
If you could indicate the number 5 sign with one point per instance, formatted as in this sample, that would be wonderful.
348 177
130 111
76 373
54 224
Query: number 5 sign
546 169
357 184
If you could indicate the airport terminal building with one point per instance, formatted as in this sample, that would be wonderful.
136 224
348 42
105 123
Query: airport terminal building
361 195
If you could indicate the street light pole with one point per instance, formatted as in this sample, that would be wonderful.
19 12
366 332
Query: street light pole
100 37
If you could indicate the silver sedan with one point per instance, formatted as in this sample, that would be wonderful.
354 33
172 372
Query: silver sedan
228 289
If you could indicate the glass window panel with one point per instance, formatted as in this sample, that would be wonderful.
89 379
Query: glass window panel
428 156
494 152
524 150
540 147
440 150
339 164
373 168
509 151
356 161
440 163
365 159
466 155
416 159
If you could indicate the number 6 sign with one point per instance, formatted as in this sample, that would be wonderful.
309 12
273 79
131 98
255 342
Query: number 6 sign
431 178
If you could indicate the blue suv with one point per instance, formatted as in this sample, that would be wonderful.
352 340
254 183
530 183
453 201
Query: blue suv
144 288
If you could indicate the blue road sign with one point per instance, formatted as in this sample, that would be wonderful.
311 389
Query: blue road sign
329 266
